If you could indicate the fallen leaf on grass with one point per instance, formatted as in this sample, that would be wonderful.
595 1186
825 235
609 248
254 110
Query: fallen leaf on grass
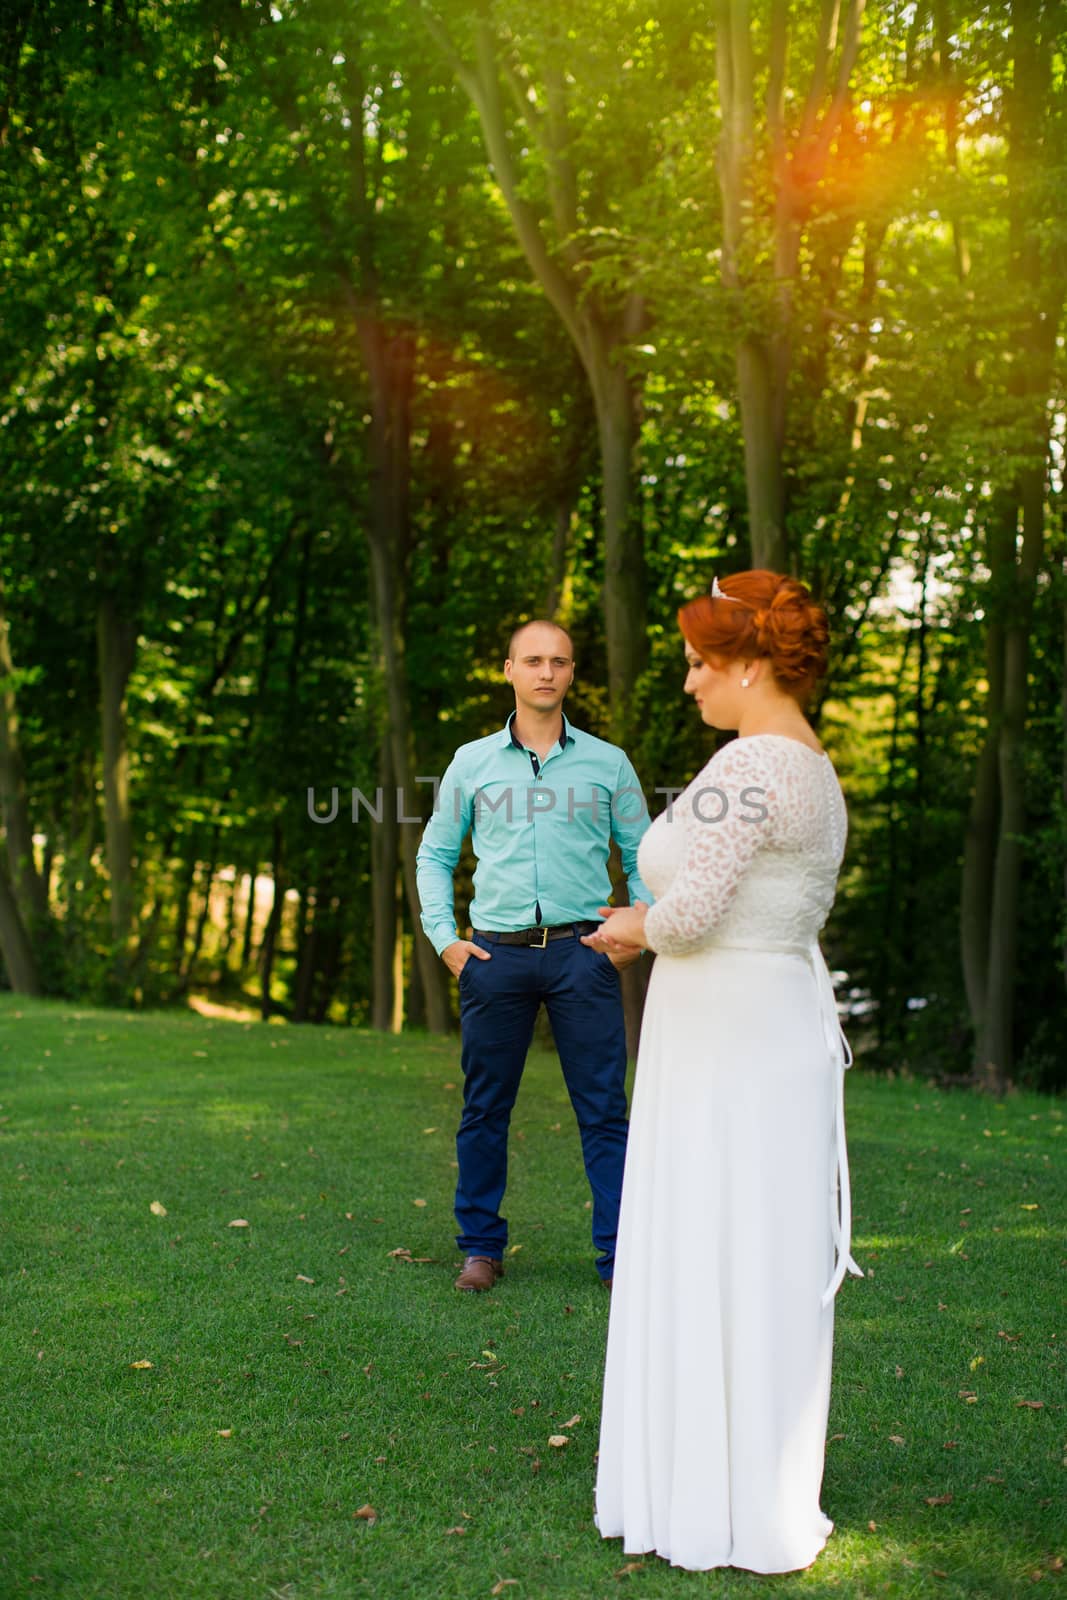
224 1433
140 1366
300 1278
1030 1405
1032 1207
951 1444
366 1514
239 1222
894 1438
873 1526
631 1566
968 1395
158 1209
418 1202
558 1440
458 1529
938 1499
505 1583
1012 1338
573 1423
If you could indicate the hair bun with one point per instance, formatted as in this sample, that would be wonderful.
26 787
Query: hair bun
795 634
767 614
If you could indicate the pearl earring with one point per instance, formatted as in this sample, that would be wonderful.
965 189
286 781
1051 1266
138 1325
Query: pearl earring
744 683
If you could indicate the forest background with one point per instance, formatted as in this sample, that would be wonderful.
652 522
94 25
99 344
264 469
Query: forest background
338 337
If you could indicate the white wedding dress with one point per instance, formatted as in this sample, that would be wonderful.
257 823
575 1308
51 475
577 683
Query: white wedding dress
735 1200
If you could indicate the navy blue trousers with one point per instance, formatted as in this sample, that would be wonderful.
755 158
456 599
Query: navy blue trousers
498 1005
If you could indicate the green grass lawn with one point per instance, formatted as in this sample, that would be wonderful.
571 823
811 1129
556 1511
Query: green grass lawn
302 1370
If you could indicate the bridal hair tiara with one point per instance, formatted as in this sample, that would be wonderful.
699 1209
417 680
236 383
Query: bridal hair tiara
717 594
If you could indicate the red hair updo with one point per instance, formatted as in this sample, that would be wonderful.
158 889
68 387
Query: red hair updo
761 614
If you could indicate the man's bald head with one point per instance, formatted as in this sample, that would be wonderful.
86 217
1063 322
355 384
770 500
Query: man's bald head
514 643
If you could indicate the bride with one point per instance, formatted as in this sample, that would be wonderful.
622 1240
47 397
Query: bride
735 1200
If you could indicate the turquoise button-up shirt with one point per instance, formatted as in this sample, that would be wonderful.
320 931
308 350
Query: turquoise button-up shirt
541 839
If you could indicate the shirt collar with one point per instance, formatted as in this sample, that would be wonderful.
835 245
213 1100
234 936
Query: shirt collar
510 737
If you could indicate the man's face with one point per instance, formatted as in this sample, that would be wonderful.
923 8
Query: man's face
541 669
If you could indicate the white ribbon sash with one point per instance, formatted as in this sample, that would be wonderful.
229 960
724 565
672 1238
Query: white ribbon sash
841 1055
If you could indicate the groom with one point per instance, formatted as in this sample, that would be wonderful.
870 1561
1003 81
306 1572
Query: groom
542 800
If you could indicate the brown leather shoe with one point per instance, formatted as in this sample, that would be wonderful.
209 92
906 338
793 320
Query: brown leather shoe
479 1273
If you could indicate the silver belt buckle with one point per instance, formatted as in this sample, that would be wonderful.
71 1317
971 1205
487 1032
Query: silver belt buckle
544 940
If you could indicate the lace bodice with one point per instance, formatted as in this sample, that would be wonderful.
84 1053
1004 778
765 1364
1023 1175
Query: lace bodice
749 852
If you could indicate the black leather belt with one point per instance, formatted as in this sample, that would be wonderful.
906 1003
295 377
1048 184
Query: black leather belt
537 938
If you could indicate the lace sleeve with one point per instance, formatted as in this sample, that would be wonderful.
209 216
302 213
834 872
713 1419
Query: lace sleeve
727 815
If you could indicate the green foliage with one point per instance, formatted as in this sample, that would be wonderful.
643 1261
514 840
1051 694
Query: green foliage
210 215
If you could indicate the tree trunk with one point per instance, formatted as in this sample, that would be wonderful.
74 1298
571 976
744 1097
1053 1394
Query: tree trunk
230 924
764 462
764 480
15 946
562 528
995 1044
250 923
26 883
202 915
184 902
1039 276
600 331
116 637
385 847
268 948
764 354
390 363
328 967
624 596
979 843
306 955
